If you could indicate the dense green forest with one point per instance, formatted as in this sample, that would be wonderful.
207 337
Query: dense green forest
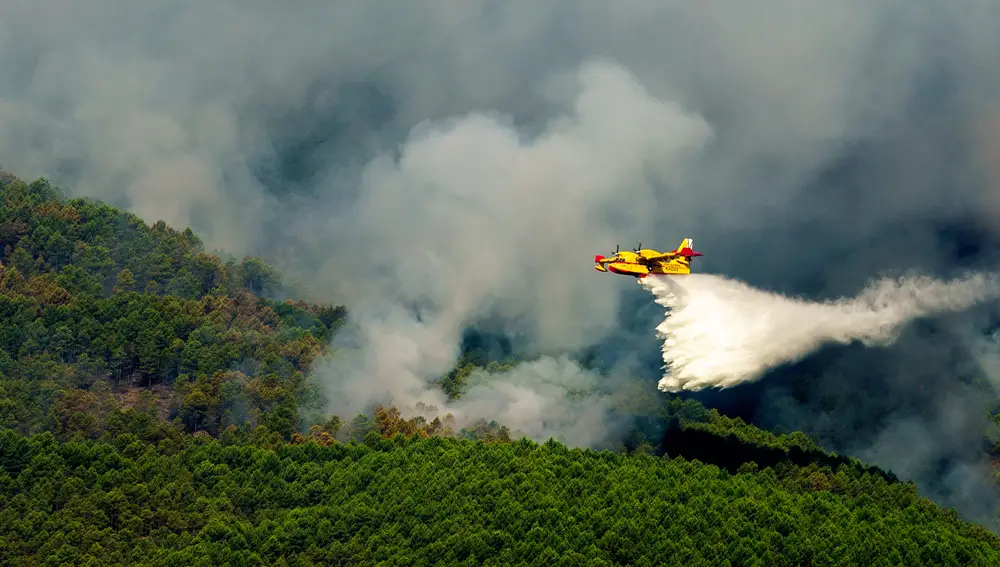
101 314
243 500
156 408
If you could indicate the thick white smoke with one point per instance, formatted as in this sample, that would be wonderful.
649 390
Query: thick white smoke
475 218
720 332
548 397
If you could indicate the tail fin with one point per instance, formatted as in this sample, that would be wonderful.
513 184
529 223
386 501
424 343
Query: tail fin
686 248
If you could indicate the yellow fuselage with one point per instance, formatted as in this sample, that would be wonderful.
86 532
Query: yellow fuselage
636 264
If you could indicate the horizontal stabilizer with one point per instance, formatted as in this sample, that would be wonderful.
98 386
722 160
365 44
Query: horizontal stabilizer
688 252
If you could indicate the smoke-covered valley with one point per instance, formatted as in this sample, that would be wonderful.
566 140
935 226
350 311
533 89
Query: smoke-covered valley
451 166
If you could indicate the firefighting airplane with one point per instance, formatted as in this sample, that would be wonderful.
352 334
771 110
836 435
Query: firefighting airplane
641 262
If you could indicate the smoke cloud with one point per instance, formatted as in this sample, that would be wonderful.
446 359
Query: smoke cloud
720 332
472 213
476 216
549 397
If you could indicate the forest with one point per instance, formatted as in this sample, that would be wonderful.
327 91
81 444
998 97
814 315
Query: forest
156 408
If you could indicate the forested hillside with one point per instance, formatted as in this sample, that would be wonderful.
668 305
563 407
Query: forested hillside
101 314
252 501
156 409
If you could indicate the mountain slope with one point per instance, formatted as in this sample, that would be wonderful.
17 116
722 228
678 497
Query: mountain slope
422 501
156 408
96 307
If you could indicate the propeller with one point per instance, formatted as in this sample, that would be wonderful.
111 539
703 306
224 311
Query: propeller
612 258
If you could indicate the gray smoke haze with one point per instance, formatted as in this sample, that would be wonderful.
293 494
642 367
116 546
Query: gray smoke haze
433 165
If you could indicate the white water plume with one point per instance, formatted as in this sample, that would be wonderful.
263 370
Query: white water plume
720 332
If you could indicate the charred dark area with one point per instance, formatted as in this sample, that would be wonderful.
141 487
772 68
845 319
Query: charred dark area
731 453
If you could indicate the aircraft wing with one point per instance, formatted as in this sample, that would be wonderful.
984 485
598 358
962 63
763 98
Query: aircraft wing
662 256
674 253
